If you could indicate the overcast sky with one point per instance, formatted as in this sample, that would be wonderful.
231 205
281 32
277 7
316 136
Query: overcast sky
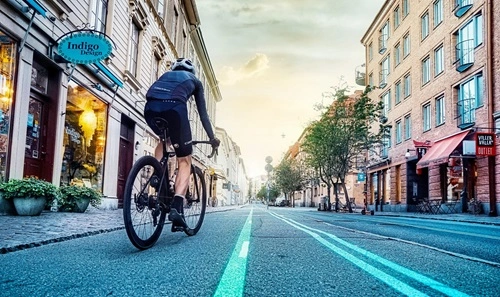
274 60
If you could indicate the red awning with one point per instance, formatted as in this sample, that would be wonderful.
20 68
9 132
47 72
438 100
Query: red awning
440 151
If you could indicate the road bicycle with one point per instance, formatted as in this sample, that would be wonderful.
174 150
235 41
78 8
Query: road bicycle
344 207
149 192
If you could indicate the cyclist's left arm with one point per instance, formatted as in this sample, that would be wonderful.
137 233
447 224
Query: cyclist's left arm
201 105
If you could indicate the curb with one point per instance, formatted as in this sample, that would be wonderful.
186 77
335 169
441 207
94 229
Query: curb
24 246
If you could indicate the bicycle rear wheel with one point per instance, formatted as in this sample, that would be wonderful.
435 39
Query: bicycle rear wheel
195 202
143 214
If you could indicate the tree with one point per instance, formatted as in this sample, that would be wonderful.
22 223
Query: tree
273 193
289 177
343 132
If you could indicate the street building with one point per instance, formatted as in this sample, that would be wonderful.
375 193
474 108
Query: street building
433 66
73 79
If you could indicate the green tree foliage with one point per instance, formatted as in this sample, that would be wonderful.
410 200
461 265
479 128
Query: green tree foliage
273 193
344 131
289 176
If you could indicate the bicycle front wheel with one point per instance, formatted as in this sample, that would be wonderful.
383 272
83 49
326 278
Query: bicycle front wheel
195 202
143 214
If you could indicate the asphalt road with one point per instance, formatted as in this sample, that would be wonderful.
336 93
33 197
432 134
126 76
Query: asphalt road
254 251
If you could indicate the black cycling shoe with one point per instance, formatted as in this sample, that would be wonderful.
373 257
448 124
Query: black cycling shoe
177 219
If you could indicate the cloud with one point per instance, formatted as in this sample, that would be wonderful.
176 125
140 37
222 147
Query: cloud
258 64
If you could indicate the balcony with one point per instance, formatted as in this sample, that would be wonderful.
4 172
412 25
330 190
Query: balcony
466 113
465 55
462 7
382 43
383 78
360 75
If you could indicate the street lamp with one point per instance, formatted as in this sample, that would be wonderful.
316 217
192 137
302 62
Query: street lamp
268 168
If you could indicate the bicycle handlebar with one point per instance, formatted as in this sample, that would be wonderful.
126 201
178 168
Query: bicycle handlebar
214 149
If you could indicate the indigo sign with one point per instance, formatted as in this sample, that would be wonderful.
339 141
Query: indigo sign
85 47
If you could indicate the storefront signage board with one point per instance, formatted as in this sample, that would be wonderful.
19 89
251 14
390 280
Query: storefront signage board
85 47
485 144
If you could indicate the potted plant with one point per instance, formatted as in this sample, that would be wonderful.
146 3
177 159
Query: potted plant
77 198
30 194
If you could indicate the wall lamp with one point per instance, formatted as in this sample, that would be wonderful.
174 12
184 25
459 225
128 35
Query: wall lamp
407 154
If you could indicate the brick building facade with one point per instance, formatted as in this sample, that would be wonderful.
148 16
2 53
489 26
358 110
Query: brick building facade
431 65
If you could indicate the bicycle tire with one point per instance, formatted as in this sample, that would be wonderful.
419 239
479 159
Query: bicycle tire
140 202
196 201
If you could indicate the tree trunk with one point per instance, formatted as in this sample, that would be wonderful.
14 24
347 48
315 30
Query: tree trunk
346 195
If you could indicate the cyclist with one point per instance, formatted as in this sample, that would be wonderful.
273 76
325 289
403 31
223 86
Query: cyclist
167 98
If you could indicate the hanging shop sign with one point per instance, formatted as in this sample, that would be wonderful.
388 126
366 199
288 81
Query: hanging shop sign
485 144
84 47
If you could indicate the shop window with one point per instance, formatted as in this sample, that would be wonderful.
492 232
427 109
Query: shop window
84 138
8 63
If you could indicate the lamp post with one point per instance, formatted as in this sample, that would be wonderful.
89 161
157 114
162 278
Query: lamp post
268 168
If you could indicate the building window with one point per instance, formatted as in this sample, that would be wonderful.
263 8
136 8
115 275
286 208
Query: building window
438 60
384 36
160 8
370 80
397 54
426 70
397 19
370 51
98 12
440 111
425 25
386 99
386 144
407 127
470 97
84 138
406 8
407 85
438 12
406 45
468 37
134 50
397 92
399 133
137 26
175 24
426 114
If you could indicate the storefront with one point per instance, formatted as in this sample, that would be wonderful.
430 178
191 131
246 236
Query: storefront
449 169
84 138
8 50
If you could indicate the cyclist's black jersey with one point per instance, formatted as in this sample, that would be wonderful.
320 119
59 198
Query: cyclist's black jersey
180 85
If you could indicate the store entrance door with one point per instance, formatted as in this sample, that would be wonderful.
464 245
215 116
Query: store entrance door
38 158
126 156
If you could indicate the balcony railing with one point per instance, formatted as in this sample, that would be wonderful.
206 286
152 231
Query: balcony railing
465 55
462 7
383 78
382 43
466 113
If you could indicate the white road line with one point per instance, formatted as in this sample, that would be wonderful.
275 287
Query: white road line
393 282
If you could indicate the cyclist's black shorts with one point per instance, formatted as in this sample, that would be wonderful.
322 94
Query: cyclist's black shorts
179 129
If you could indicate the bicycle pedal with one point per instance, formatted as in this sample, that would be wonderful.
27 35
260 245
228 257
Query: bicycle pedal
177 228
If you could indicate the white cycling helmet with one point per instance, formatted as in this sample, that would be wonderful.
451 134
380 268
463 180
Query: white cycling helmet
183 64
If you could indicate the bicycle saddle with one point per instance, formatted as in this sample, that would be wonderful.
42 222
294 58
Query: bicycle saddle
161 123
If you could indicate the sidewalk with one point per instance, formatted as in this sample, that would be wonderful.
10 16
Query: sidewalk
457 217
22 232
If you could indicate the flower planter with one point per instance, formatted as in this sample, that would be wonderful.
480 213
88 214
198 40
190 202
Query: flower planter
29 206
82 204
6 206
